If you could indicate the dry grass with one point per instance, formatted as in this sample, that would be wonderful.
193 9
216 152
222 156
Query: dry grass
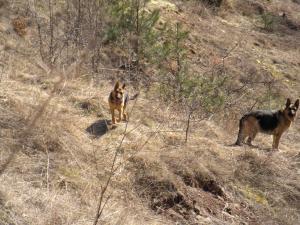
56 150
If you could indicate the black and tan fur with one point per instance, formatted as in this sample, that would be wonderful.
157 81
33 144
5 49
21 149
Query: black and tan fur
269 122
118 100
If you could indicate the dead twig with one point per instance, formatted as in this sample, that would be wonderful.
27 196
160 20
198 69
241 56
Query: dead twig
101 205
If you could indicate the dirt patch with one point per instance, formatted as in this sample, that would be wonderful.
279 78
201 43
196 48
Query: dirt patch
184 194
88 106
177 191
200 180
196 175
163 193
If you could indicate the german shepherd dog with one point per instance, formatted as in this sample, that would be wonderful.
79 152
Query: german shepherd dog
118 100
268 122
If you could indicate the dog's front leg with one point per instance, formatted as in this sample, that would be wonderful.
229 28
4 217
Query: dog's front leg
112 111
120 114
276 138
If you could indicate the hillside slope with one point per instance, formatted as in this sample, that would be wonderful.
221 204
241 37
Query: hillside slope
57 144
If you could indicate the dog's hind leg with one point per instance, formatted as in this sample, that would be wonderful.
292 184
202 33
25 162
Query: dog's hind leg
241 135
251 138
241 138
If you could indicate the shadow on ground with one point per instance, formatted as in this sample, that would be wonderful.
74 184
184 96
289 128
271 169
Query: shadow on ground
99 128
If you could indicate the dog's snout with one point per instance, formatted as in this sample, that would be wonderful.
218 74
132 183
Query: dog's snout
119 95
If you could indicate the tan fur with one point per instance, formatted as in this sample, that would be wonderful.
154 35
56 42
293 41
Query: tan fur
250 123
117 102
252 128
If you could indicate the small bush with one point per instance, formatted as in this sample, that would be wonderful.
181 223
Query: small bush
195 92
268 20
20 24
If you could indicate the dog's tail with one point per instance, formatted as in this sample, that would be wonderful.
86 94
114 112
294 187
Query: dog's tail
134 96
240 134
127 98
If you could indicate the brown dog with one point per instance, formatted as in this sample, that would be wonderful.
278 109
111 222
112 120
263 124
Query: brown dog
118 99
269 122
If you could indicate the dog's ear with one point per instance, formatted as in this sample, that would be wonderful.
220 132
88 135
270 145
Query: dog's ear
297 103
124 86
288 103
117 85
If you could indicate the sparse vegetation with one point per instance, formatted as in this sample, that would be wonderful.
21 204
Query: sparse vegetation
268 21
198 65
